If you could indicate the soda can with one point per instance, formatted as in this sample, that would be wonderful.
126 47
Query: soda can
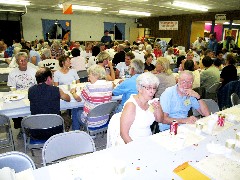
221 120
173 127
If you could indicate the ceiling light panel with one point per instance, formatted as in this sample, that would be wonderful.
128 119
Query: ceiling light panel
15 2
189 6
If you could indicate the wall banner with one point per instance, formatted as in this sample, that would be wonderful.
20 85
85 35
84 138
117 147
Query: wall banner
168 25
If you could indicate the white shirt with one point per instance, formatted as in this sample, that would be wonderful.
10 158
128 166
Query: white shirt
139 55
78 63
123 69
22 79
66 79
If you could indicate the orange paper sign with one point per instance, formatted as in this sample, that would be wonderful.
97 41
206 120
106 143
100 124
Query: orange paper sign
67 8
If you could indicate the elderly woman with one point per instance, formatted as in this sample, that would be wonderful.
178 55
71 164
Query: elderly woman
104 61
164 75
139 112
56 50
96 92
65 75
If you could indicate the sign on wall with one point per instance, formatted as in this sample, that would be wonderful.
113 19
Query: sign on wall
168 25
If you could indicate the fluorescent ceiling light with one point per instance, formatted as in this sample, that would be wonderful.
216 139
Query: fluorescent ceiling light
15 2
10 10
84 8
134 13
190 6
226 23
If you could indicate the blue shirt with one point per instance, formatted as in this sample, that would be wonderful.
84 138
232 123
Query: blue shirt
212 44
126 88
35 53
176 106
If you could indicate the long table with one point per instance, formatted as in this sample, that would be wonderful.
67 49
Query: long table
21 108
148 158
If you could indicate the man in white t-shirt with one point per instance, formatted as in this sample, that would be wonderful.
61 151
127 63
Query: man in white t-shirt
23 76
138 54
122 68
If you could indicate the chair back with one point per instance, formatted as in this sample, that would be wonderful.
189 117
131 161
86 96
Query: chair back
40 127
201 91
235 99
83 76
17 161
67 144
53 64
99 117
6 139
211 104
211 92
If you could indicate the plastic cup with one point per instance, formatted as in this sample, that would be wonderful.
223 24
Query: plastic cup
13 89
238 139
211 123
199 128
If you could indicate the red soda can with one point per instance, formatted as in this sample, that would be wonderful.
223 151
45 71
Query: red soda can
221 120
173 127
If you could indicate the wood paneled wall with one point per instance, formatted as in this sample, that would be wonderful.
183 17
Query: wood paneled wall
182 35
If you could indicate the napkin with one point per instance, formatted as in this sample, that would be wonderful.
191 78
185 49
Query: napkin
187 172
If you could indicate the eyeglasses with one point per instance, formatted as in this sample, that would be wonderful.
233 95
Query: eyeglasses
186 82
23 60
149 88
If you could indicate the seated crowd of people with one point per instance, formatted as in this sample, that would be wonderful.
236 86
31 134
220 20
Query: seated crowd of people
144 71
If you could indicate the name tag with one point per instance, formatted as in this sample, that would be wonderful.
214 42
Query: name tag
187 102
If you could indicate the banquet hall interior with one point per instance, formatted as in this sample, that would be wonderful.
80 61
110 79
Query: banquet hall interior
162 24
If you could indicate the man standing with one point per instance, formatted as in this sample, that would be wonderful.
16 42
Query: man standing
177 100
212 43
128 87
106 39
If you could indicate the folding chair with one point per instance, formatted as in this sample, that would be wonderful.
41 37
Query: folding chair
83 76
17 161
211 92
6 137
38 128
98 118
211 104
235 99
67 144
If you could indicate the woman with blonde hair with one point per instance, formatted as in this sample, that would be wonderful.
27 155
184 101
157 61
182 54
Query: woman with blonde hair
164 75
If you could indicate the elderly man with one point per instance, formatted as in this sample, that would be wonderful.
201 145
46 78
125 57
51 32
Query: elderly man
44 97
177 100
198 43
128 87
122 68
23 76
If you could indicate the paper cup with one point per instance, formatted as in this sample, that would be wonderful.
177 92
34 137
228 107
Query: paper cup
230 145
211 123
13 89
119 167
238 139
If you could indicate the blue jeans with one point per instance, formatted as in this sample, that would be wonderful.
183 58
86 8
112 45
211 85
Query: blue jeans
76 115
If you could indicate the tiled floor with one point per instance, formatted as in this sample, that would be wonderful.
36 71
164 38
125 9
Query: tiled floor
100 142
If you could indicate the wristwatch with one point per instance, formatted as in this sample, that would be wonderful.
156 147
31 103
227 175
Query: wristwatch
199 98
72 92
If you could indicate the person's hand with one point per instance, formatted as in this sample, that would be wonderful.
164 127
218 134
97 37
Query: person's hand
156 104
190 92
191 120
73 90
110 64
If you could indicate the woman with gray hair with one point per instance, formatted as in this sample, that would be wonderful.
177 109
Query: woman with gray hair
98 91
164 75
140 111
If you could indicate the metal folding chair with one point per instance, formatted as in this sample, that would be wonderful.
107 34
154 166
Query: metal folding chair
17 161
211 104
38 128
65 145
235 99
6 138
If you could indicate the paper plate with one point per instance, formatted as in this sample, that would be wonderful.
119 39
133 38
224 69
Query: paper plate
14 97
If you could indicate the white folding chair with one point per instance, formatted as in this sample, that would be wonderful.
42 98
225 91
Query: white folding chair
235 99
211 104
67 144
38 128
6 137
113 132
17 161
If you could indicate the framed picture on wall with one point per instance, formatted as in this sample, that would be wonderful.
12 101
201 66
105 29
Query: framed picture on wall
232 32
